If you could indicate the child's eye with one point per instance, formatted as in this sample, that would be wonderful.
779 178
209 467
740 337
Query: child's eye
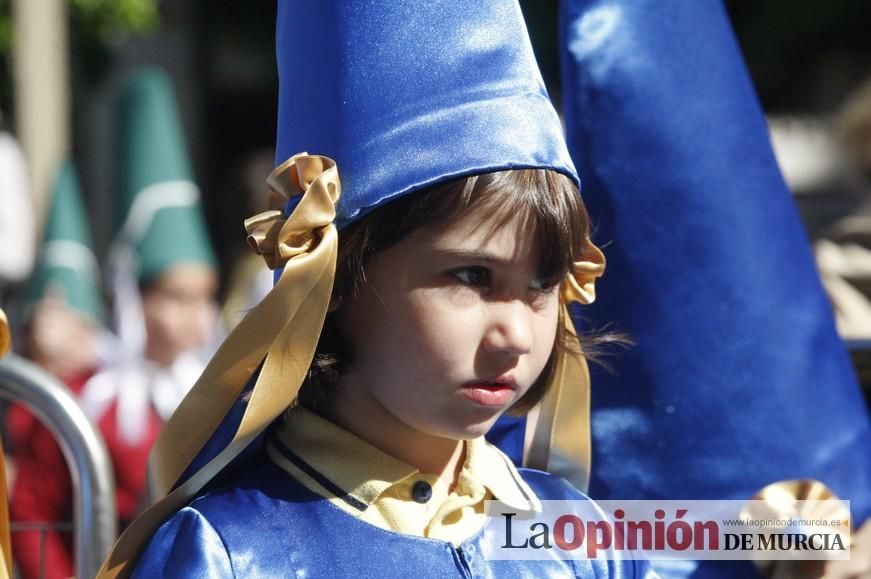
542 284
473 276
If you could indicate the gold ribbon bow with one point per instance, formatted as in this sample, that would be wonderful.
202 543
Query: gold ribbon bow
5 337
580 283
558 431
278 240
279 335
784 500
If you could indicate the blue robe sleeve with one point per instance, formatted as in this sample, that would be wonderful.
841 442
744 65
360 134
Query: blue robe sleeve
187 545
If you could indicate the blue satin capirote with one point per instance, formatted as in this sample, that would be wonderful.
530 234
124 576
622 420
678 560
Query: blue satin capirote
405 94
738 378
263 523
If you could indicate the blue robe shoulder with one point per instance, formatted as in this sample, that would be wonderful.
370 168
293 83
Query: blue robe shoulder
263 523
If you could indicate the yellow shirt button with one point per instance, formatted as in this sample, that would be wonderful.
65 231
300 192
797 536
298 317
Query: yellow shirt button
421 492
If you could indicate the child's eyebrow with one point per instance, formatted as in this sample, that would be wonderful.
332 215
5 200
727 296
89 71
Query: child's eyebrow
472 255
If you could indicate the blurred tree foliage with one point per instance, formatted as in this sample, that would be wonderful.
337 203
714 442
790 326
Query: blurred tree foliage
95 27
101 22
5 27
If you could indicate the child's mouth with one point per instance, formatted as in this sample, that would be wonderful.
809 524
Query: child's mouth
489 393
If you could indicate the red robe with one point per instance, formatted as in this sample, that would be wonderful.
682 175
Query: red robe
42 492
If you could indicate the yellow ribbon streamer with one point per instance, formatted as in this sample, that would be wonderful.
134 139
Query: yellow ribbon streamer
5 536
5 338
281 332
559 440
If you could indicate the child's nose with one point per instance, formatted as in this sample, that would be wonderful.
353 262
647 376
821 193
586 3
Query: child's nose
509 329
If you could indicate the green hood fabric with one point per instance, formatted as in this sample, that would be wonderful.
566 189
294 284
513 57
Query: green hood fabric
67 267
160 216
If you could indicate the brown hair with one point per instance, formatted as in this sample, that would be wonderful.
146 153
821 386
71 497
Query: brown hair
557 213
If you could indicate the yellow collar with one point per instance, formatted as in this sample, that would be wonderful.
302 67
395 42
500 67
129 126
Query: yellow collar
347 468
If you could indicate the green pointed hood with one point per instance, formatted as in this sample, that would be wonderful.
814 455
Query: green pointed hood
160 217
67 266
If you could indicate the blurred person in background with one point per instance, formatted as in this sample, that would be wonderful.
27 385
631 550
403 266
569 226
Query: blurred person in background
64 334
843 251
163 278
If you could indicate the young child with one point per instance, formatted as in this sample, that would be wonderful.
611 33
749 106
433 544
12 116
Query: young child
164 278
462 240
63 334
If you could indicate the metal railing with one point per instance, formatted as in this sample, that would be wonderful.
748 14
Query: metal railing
94 521
43 528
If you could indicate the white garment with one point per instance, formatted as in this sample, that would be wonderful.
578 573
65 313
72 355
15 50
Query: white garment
137 386
17 221
845 270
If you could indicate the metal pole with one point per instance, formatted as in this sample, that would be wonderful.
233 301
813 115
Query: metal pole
94 517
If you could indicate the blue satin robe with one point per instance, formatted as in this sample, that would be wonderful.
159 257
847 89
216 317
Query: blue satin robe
263 523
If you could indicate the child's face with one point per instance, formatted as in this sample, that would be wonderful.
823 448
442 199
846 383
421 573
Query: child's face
179 311
452 327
